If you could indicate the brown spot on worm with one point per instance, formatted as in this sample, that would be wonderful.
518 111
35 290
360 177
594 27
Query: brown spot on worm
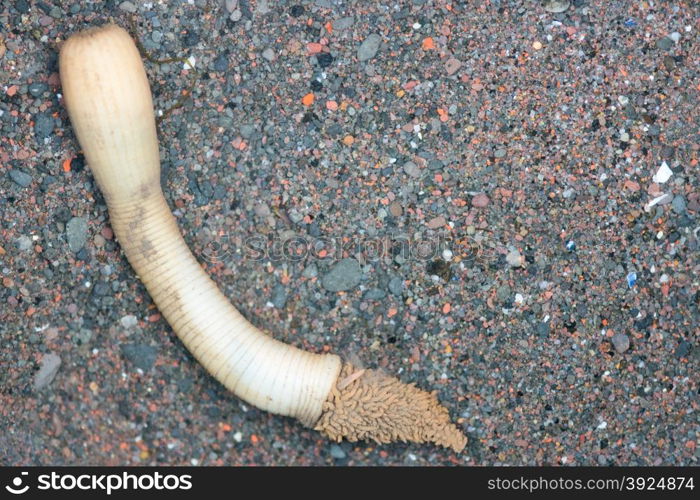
145 189
147 248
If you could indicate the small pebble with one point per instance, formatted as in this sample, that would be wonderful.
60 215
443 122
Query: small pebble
279 296
480 200
337 452
297 10
37 89
324 59
503 293
663 174
621 342
343 23
369 47
514 259
44 125
452 65
395 209
142 356
127 7
436 222
221 62
76 233
374 294
396 285
663 199
683 349
678 204
23 243
20 178
342 276
411 169
664 43
129 321
50 364
556 6
22 6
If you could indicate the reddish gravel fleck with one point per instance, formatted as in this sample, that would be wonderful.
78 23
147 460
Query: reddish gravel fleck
480 200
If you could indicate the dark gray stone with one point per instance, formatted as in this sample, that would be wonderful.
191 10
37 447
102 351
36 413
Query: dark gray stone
396 285
142 356
279 296
344 275
375 294
664 43
44 125
20 178
76 233
337 452
221 62
37 89
678 204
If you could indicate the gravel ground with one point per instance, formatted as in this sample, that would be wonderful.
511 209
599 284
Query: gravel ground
490 199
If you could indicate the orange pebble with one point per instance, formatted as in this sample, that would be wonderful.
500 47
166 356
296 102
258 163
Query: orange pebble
308 99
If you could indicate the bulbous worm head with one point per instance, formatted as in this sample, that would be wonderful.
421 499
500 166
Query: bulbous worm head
108 98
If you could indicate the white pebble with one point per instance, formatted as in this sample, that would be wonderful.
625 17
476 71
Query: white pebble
189 63
663 174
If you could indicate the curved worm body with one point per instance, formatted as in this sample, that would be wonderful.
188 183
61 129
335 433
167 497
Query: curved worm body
108 98
111 110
